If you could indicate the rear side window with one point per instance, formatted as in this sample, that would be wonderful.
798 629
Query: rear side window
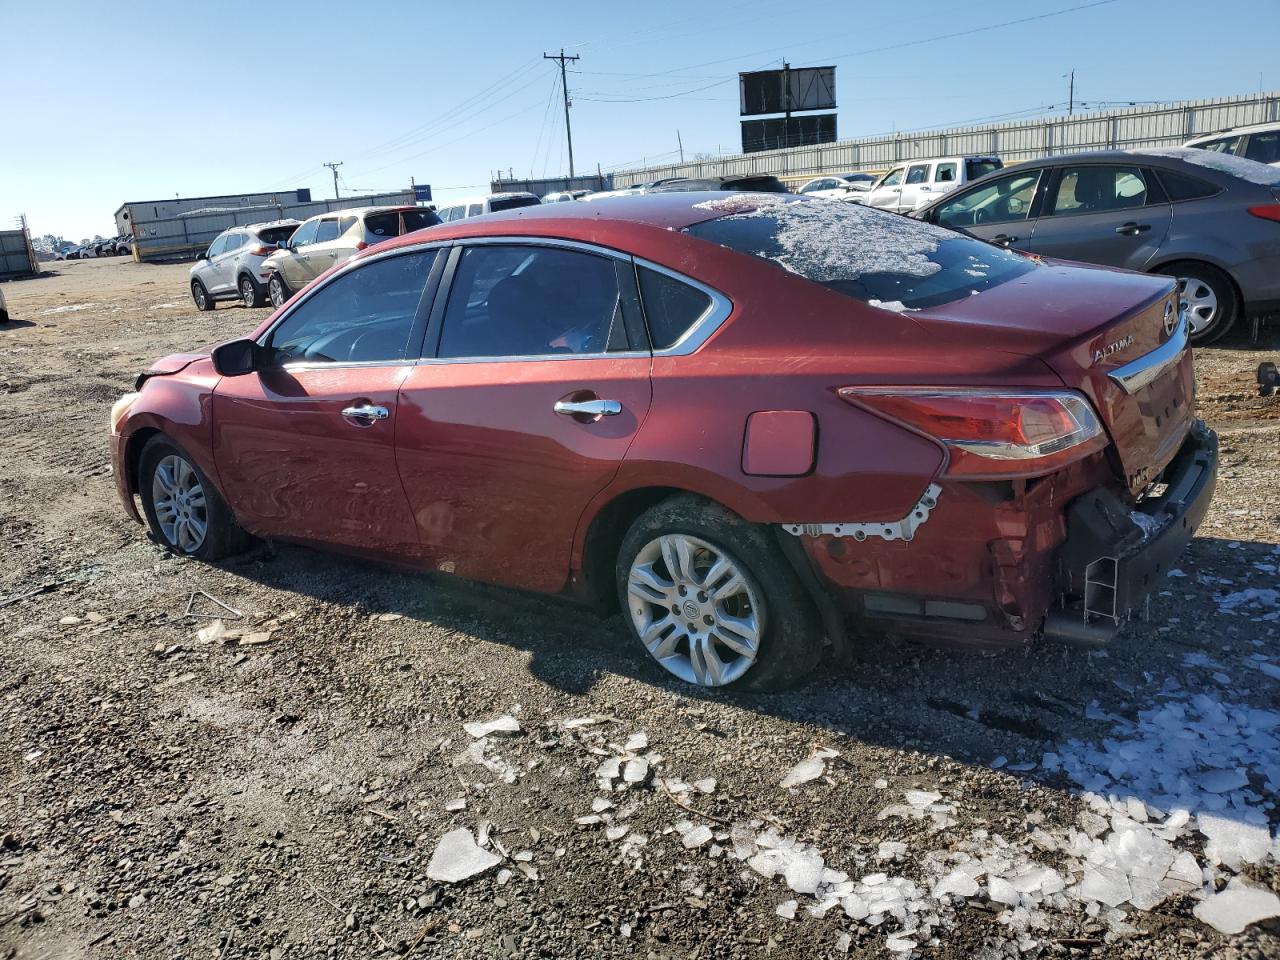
345 224
475 210
980 168
946 173
305 234
670 306
1097 189
328 230
1263 147
1221 145
918 174
512 203
362 316
879 258
528 301
1180 186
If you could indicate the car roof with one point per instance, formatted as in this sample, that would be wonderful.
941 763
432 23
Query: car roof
1247 128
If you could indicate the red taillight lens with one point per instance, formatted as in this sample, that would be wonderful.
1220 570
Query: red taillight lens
361 245
992 434
261 251
1267 211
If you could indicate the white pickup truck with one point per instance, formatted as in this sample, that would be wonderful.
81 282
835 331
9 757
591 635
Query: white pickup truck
917 182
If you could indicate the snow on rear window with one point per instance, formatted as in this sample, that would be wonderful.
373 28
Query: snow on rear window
1251 170
883 259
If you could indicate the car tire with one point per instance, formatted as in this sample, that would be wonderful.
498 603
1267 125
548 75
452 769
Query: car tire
251 294
1209 296
184 511
278 291
697 636
201 296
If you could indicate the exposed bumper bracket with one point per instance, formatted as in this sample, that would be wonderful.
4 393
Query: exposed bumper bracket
903 529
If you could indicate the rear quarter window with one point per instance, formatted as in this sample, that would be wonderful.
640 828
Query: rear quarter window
671 306
1180 186
883 259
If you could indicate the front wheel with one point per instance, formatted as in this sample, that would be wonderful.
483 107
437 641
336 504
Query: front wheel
183 509
711 598
250 292
201 296
1207 296
277 291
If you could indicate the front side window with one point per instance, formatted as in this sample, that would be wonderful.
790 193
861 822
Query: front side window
1098 189
362 316
918 174
304 234
218 247
1263 147
525 301
326 230
671 306
892 178
1000 201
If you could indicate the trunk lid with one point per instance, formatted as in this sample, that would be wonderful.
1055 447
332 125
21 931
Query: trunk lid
1087 324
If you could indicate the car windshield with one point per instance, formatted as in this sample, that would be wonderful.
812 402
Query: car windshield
276 234
980 168
882 259
511 203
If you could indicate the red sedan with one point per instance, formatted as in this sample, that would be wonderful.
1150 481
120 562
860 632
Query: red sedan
759 425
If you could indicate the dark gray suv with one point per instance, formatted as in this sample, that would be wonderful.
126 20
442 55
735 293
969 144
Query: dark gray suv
1211 220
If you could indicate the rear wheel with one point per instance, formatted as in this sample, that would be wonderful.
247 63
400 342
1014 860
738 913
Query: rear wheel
201 296
711 598
277 290
1208 297
183 509
251 294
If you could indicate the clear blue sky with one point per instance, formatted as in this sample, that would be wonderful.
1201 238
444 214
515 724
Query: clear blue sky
135 101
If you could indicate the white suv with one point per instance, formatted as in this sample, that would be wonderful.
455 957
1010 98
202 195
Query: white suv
490 203
1260 142
228 270
911 185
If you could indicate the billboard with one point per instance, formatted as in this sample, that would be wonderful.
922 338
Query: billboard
777 132
783 91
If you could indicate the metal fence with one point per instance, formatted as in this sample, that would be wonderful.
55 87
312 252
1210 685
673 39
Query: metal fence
183 236
17 256
1168 124
545 185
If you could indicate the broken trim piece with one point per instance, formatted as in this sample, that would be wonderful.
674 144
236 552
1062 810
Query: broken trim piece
903 529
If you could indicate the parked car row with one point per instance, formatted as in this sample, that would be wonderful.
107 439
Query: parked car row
120 246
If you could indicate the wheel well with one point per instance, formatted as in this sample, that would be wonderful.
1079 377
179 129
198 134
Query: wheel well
133 454
1168 266
604 537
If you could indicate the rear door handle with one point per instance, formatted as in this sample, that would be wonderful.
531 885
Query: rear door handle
366 412
1003 239
1132 229
588 408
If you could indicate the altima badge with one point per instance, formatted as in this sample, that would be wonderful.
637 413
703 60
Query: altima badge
1111 348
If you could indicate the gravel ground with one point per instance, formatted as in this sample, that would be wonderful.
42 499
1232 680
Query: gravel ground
275 785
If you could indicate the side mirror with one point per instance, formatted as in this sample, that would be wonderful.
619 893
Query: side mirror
282 244
238 357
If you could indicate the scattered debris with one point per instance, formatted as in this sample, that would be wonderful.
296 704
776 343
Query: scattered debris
457 858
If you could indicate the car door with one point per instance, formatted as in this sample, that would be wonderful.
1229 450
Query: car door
208 272
322 252
305 447
534 390
917 177
1105 213
224 264
998 210
885 194
291 261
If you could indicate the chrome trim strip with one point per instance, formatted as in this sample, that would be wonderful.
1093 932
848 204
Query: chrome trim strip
618 355
1139 373
702 328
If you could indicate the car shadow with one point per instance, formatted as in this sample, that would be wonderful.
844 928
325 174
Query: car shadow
14 323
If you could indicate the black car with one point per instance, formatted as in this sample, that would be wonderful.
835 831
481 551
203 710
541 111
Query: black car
754 183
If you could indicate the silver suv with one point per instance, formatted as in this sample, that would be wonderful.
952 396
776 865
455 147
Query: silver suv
228 270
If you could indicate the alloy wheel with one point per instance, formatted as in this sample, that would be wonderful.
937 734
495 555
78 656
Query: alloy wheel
246 292
695 610
202 298
179 503
276 290
1199 301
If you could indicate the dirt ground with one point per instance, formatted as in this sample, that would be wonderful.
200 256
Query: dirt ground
280 793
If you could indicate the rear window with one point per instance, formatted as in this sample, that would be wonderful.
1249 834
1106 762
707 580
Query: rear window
980 168
380 225
511 203
882 259
276 234
670 306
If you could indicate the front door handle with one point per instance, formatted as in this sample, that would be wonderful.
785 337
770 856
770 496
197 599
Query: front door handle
588 408
367 413
1132 229
1003 239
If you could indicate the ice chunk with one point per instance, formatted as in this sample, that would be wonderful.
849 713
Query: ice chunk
696 837
1001 890
922 798
1236 907
855 907
636 770
611 769
803 871
636 742
786 910
500 725
1184 873
1223 781
1108 886
457 857
1232 841
899 945
891 850
958 882
811 768
707 785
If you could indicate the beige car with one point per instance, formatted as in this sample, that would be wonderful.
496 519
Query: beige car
329 239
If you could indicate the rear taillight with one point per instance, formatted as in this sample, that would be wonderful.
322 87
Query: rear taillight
361 245
1267 211
261 251
992 434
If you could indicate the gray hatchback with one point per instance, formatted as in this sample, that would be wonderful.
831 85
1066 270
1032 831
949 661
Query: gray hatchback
1209 219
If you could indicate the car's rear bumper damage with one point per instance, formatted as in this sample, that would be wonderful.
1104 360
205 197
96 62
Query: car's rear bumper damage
1068 556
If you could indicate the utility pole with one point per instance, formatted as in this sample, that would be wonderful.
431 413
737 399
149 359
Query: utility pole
334 167
786 102
1071 93
681 145
564 88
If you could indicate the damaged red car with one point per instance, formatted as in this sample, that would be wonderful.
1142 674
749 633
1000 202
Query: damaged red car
757 425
